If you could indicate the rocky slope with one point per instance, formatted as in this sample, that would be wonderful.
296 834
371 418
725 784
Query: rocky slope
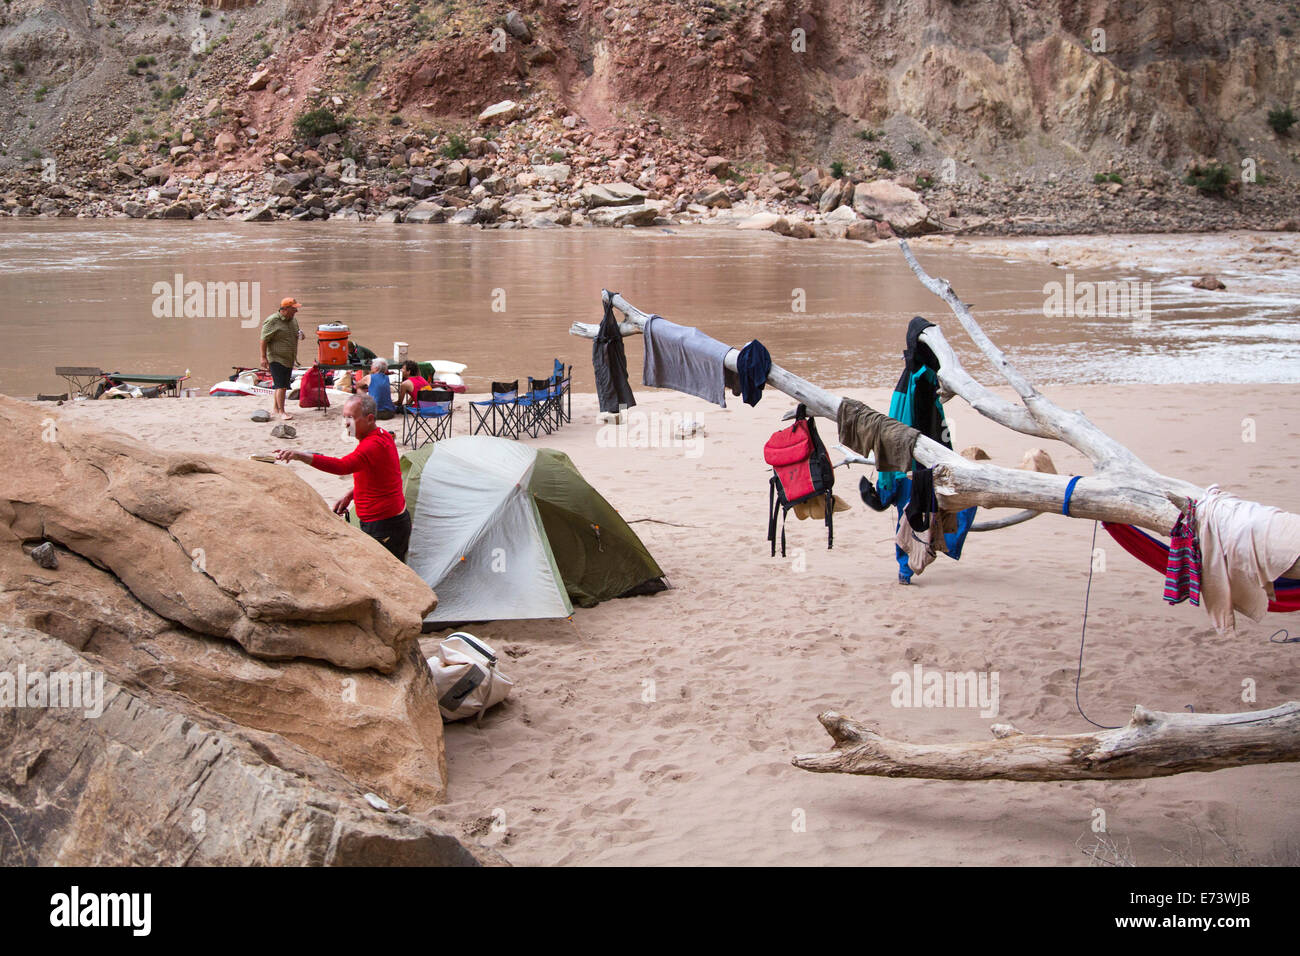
999 114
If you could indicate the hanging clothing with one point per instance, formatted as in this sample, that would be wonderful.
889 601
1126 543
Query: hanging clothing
915 401
866 431
1244 546
610 361
1183 570
685 359
752 365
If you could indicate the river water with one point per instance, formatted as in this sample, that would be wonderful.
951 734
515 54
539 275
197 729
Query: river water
87 293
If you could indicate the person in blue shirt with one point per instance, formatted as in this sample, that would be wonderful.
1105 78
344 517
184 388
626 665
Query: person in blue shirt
381 389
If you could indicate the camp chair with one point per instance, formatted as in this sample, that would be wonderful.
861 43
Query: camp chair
499 415
536 409
429 418
564 394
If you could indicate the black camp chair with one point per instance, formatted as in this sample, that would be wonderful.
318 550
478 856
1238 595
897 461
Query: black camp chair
537 410
500 415
430 418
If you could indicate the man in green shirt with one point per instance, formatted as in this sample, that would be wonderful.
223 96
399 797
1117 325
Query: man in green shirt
280 337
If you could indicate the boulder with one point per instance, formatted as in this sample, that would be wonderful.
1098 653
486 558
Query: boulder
717 166
595 195
421 187
557 173
830 198
178 529
766 220
506 111
897 205
261 213
715 198
226 142
861 230
464 217
157 780
423 213
642 214
177 210
133 209
517 27
975 453
842 215
259 79
284 430
158 174
45 555
1209 282
1036 459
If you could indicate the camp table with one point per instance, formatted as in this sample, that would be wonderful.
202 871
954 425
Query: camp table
83 378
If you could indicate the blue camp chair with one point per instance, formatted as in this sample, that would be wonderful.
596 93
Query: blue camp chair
536 408
500 416
430 418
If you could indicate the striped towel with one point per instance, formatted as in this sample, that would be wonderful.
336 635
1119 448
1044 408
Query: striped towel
1183 573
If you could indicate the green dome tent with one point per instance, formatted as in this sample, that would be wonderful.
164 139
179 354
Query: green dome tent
502 530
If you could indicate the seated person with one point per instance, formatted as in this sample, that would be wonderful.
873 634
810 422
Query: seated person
359 354
381 389
412 382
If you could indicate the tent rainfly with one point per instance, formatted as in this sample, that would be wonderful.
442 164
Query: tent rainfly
502 530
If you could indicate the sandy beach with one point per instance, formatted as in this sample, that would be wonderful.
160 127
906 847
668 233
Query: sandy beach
659 730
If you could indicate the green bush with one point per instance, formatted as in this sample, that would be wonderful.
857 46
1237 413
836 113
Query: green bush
1211 180
1281 120
924 182
317 122
1107 178
870 135
456 146
837 169
884 160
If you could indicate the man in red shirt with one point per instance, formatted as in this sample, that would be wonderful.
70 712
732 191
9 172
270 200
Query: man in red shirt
376 477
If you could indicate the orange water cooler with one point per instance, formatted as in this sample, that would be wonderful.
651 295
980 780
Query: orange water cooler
332 344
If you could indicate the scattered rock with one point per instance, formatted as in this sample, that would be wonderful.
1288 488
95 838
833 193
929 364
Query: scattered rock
638 215
258 80
517 27
1209 282
717 166
975 453
45 555
284 430
504 112
611 194
1036 459
261 415
766 220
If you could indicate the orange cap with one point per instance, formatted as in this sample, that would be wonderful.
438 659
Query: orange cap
289 302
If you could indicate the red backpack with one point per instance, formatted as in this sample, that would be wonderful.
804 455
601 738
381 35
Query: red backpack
311 389
801 470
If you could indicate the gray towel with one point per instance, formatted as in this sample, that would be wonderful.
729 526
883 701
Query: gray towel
683 358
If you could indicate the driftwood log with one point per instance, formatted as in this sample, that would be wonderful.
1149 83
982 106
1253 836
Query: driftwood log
1122 489
1151 744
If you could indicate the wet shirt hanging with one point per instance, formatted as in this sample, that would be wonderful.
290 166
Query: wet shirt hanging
867 431
610 361
685 359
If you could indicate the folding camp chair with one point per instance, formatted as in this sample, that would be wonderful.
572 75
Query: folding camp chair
564 394
535 407
500 415
429 419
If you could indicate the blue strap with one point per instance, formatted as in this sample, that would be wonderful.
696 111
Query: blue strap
1069 492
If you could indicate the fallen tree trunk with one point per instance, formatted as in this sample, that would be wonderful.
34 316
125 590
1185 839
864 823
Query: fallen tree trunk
1151 744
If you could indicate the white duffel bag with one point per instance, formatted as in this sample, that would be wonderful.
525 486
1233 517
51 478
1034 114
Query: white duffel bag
467 677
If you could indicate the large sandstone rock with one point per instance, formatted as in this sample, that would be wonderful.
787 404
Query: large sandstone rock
153 779
642 214
504 112
766 220
595 195
886 201
227 548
